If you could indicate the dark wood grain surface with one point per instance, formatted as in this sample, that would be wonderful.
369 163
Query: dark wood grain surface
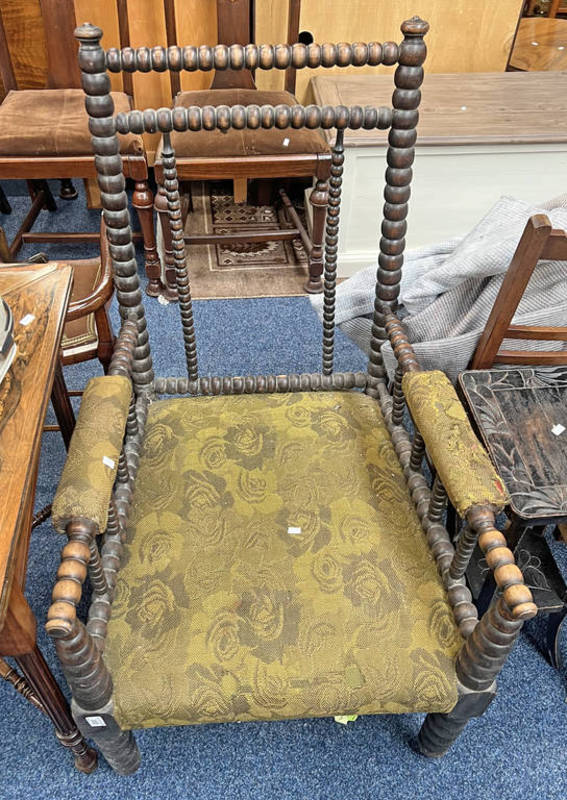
467 108
516 412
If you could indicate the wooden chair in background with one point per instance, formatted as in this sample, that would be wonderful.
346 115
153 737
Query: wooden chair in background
521 416
88 332
539 242
242 155
44 133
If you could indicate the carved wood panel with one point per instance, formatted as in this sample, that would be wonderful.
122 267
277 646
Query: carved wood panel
520 414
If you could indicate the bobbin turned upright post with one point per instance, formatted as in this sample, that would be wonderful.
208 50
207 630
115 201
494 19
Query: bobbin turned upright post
100 107
401 151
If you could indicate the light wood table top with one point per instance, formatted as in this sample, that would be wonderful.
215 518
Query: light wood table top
541 44
41 292
463 108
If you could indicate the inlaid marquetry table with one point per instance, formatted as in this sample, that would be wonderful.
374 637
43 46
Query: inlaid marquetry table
38 297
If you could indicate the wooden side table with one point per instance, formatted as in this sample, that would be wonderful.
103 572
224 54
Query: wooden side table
38 297
521 416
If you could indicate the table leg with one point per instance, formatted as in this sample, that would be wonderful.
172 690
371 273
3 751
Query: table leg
62 406
555 624
20 684
42 682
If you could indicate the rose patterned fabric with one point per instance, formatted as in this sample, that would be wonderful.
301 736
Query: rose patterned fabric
92 461
275 568
461 461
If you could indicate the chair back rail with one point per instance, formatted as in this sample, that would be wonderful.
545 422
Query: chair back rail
256 56
538 242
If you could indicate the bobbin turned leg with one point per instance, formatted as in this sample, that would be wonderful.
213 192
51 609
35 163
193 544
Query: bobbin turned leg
80 658
91 686
318 200
440 731
478 663
161 207
143 202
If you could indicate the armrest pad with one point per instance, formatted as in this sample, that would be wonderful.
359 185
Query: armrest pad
86 484
462 463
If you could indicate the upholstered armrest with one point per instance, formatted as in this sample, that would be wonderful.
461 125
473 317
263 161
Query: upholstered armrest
462 463
86 484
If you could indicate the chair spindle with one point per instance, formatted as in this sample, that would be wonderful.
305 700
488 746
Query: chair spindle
331 249
171 184
438 501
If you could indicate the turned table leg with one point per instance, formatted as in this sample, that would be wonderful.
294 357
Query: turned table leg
39 677
319 199
143 202
19 683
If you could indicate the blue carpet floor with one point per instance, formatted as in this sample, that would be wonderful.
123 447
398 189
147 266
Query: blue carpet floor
517 749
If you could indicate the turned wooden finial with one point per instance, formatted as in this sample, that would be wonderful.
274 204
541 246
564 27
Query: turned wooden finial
87 33
414 27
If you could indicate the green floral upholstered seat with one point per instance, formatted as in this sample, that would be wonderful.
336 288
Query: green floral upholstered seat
275 568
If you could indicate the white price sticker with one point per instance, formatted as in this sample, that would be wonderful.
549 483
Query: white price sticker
108 462
558 429
27 320
96 722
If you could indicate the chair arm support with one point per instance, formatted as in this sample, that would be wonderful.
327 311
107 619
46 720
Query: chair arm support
122 361
461 462
508 576
71 575
102 293
85 487
401 346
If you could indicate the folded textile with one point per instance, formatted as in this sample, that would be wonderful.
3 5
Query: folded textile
448 290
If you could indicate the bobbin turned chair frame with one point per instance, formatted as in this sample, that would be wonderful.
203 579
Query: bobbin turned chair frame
488 642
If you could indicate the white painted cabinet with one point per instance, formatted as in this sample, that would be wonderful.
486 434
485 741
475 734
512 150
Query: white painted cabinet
480 136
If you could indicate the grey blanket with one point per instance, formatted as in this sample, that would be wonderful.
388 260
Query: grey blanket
448 290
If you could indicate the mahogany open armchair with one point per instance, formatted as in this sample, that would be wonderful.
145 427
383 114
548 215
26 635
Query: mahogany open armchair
270 546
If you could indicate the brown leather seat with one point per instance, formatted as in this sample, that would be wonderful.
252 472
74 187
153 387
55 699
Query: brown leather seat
234 143
54 122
